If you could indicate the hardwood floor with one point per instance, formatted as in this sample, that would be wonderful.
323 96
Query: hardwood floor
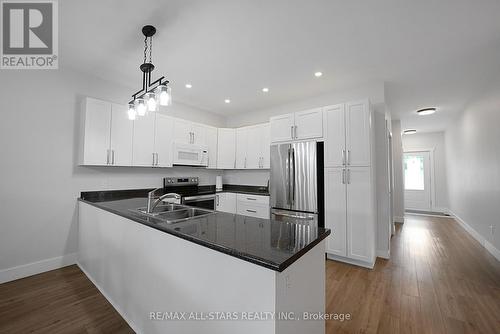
439 280
58 301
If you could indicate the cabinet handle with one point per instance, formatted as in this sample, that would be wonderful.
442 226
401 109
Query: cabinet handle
107 157
291 131
252 211
157 160
153 159
193 137
343 175
112 157
348 157
217 198
251 199
343 157
348 176
245 162
295 132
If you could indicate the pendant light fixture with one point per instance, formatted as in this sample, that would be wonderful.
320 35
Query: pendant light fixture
154 93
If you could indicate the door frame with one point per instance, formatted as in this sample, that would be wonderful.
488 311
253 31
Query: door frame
432 171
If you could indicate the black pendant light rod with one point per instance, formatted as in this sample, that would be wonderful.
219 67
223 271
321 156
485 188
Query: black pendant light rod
147 67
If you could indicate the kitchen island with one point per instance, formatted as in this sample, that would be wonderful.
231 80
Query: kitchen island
219 273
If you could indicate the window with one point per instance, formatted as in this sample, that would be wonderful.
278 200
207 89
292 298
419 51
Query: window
414 172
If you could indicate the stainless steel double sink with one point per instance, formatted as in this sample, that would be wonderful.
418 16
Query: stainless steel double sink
174 213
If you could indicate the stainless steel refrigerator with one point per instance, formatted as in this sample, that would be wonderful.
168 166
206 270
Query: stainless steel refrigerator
296 181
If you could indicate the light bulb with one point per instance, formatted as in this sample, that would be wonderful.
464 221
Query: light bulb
131 111
151 101
140 105
164 94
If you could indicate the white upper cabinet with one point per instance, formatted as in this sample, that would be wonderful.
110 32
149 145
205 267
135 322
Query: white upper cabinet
265 135
334 117
164 127
96 123
107 136
308 124
211 141
282 128
358 131
252 147
199 134
121 136
187 132
241 147
183 131
226 148
144 139
347 134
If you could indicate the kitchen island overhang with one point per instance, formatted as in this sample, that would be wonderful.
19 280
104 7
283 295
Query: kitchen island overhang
184 281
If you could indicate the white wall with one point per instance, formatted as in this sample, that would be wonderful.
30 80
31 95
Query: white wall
398 198
473 162
40 180
373 91
436 141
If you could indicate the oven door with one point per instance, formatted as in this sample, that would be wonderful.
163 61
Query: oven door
203 201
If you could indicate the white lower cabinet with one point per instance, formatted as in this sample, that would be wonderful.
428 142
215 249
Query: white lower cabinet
225 202
350 214
253 205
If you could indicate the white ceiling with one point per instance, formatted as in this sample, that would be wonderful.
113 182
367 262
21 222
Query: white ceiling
429 53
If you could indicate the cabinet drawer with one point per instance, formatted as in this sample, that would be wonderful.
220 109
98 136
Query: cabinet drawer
252 210
253 199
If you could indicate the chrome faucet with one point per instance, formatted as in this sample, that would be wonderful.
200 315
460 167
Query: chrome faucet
152 196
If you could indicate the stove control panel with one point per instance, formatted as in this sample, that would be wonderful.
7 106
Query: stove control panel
180 181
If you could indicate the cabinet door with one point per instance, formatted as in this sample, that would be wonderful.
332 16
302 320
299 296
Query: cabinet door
226 148
282 127
211 139
199 134
183 132
265 136
335 211
226 202
254 147
121 136
309 124
164 126
358 133
97 138
241 147
360 216
144 139
334 117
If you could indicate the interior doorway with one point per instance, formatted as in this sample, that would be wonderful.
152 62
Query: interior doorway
417 175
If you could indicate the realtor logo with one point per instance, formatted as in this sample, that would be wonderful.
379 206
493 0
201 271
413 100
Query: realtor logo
29 34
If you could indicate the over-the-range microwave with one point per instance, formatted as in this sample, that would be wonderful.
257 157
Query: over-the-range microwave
190 155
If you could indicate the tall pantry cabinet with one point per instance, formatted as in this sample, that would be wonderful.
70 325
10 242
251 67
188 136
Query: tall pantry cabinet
349 183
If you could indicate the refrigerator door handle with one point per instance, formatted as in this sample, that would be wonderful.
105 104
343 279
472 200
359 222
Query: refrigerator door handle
288 181
293 175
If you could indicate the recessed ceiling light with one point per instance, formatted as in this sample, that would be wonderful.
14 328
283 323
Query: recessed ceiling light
318 74
409 131
227 101
265 89
188 85
426 111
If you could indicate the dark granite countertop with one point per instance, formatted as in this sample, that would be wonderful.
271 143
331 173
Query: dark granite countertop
269 243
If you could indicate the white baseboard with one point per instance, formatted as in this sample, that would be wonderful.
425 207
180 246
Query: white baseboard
485 243
108 298
441 210
399 219
350 261
383 254
25 270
